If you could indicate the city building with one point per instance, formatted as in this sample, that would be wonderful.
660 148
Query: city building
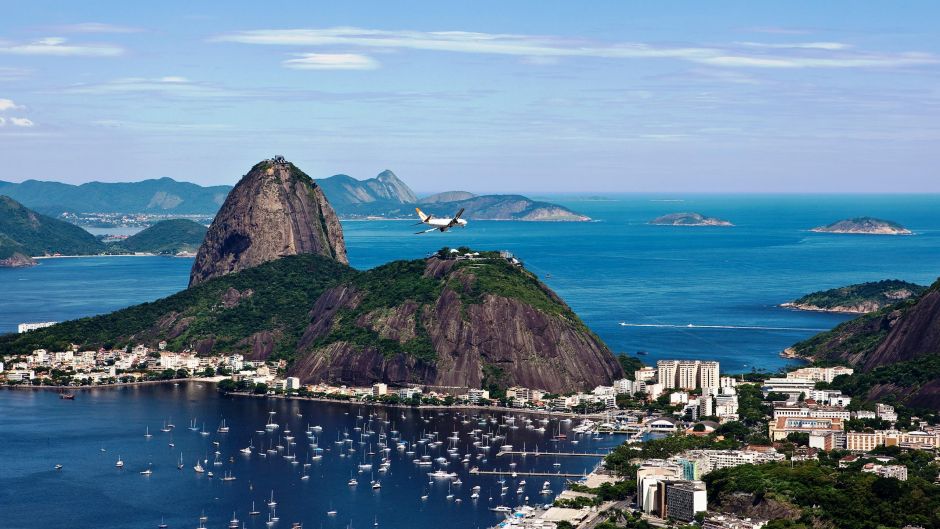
684 499
379 389
789 386
780 427
820 374
26 327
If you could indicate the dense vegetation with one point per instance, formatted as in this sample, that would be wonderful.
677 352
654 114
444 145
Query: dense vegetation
823 495
165 237
882 293
386 288
274 297
29 233
225 313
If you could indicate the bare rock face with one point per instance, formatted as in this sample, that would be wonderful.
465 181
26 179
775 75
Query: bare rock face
489 339
274 211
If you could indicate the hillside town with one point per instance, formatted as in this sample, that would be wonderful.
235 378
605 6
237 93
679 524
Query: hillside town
706 422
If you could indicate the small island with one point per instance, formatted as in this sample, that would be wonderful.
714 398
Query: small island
860 298
864 226
689 219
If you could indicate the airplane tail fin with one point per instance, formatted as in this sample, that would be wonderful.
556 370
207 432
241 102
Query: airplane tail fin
421 215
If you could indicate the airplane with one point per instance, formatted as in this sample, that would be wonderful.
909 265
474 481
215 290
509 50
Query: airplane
441 225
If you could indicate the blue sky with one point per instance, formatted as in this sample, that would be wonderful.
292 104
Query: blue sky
485 96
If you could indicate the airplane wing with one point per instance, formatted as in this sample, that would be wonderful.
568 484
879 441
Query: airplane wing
453 221
425 231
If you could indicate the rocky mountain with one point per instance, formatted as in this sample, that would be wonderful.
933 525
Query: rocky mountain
897 348
386 196
25 234
446 322
447 196
165 237
386 188
275 210
689 219
860 298
483 322
163 195
864 226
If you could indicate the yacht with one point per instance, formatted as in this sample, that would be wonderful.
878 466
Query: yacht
198 468
120 463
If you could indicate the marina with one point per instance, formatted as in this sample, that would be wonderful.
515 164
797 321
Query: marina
274 462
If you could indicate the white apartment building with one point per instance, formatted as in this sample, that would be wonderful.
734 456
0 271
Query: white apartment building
789 386
820 374
687 374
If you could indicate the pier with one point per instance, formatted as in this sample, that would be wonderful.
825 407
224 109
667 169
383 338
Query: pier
477 471
523 453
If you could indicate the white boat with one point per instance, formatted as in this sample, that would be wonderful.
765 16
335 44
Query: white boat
146 472
222 427
441 474
120 463
253 511
198 468
228 476
271 502
147 433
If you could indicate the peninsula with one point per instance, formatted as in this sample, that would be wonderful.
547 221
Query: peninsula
860 298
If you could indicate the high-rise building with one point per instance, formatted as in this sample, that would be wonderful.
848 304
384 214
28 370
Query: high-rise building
708 375
688 374
668 373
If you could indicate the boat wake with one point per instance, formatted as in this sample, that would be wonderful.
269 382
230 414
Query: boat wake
732 327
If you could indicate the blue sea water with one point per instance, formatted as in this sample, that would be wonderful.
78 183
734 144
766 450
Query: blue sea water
725 282
88 435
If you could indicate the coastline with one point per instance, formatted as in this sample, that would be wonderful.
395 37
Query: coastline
351 402
835 310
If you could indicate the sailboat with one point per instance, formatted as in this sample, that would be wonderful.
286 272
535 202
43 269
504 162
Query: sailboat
180 464
198 468
163 524
192 425
253 511
271 502
147 433
120 462
148 471
233 524
222 427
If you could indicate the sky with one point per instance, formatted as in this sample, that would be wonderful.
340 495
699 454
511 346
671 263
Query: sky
523 96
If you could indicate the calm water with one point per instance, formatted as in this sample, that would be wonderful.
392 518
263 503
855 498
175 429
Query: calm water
88 435
615 270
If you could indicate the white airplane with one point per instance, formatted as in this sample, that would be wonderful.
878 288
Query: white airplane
441 225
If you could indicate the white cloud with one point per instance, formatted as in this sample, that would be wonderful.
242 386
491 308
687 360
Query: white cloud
331 61
13 74
96 27
173 86
798 45
21 122
58 46
545 48
7 104
2 121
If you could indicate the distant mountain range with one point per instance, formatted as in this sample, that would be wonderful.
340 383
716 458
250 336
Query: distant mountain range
25 233
163 195
385 196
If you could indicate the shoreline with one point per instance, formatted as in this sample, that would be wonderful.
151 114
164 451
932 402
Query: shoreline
106 255
351 402
422 406
115 385
813 308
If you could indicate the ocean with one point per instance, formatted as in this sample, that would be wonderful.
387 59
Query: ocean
674 292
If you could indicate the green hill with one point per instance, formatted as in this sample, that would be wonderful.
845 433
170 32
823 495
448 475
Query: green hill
440 321
859 298
165 237
25 232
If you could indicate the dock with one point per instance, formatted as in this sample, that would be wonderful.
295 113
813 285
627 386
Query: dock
523 453
477 471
